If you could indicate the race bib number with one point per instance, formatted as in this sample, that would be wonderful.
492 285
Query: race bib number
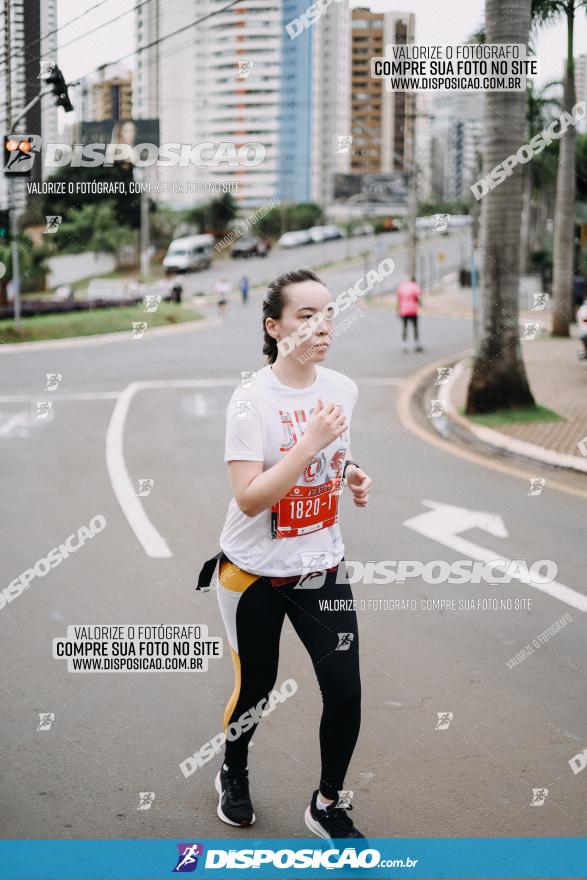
306 509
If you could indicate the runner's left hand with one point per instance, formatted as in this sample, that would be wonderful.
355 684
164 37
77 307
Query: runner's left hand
359 484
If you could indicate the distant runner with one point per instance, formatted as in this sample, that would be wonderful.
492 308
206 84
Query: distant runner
409 295
222 288
244 286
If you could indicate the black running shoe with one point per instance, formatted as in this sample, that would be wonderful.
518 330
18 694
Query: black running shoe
234 803
333 822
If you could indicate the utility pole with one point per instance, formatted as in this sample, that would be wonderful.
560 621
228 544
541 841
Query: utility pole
16 146
145 230
412 174
475 224
11 184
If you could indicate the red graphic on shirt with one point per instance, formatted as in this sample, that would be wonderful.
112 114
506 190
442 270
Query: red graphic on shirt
337 461
292 428
307 509
315 468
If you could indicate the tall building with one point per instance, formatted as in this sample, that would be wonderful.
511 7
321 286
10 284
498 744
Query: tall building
239 78
28 38
105 95
456 126
463 146
379 126
146 85
238 89
315 104
112 97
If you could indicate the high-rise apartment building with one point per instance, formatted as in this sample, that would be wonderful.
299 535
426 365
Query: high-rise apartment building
105 95
112 97
28 38
238 78
455 142
379 123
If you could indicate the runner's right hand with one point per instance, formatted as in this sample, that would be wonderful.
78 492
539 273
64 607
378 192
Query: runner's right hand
326 423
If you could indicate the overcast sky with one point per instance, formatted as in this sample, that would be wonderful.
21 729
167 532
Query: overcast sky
447 21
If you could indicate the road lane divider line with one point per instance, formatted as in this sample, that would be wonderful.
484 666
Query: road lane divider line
153 543
151 540
18 420
67 396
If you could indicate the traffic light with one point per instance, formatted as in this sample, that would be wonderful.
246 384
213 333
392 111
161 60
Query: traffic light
57 80
4 227
18 155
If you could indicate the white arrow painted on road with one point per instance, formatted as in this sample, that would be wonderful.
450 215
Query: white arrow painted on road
15 425
445 522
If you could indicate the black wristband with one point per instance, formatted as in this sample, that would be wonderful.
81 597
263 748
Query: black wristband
346 464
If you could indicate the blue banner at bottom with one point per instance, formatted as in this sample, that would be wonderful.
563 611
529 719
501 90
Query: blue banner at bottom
385 858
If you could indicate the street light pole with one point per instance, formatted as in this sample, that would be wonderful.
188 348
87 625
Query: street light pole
14 254
413 185
145 231
16 281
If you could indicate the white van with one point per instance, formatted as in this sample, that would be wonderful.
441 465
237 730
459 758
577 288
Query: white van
189 253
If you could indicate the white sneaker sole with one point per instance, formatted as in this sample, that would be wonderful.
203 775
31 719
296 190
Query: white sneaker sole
219 812
314 826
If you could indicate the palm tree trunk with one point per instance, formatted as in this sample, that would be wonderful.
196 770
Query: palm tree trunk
564 211
499 378
540 217
526 220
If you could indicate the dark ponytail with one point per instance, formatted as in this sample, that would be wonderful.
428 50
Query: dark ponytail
274 302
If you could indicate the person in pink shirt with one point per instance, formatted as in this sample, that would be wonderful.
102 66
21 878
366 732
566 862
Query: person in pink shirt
409 295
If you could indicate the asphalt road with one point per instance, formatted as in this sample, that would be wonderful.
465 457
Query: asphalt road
369 248
116 735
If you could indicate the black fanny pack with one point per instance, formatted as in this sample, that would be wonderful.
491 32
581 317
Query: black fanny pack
207 572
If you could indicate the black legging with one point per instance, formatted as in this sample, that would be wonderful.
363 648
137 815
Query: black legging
409 319
258 619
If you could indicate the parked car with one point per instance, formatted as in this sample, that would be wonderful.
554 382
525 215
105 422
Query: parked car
331 232
295 238
363 229
189 253
318 233
250 246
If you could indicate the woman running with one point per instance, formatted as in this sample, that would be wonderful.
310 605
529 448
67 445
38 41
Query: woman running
288 454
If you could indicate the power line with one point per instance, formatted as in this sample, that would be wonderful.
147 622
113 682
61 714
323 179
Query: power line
168 36
56 30
93 30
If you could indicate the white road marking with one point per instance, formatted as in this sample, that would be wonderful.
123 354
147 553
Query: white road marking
52 395
383 380
200 405
153 543
444 522
18 420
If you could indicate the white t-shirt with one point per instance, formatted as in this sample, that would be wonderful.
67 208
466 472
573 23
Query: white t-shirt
264 419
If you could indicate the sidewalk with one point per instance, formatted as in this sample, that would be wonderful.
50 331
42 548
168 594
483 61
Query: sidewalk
557 378
559 382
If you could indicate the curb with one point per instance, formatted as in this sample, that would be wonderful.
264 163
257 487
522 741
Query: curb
501 442
105 338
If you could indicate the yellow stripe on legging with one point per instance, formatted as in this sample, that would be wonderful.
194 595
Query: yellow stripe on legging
237 688
234 578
